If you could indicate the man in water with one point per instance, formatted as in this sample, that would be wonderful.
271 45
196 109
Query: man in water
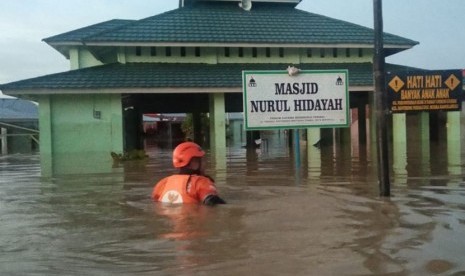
191 184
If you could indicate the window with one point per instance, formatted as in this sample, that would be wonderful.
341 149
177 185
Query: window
348 52
268 52
335 52
226 52
281 52
322 52
309 52
183 51
168 51
360 52
197 51
254 52
241 52
153 51
138 51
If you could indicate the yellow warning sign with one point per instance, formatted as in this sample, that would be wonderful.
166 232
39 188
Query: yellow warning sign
452 82
396 84
424 90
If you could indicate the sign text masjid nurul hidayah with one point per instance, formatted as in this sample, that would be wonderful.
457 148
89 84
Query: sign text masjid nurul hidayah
273 99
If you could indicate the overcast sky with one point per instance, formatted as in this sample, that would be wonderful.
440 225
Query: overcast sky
436 24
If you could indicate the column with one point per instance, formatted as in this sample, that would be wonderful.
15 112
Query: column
425 141
217 122
399 132
3 141
45 128
197 128
116 123
74 58
218 134
453 142
313 153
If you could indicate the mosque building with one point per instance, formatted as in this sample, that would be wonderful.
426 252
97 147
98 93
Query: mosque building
185 61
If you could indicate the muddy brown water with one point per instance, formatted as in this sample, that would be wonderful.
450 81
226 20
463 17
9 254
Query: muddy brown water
322 219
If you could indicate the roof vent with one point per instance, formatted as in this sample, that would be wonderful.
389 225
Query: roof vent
246 4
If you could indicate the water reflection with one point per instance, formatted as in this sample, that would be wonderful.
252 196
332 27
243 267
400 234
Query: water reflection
324 219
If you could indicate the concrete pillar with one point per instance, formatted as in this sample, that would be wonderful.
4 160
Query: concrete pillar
217 122
121 55
453 142
313 153
218 130
3 141
345 142
399 132
74 58
45 128
313 136
372 155
341 149
197 128
425 141
132 123
362 124
117 140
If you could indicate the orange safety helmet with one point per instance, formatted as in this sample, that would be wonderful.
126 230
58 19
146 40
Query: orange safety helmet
184 152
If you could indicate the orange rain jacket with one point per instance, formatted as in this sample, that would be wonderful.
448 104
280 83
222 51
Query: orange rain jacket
183 188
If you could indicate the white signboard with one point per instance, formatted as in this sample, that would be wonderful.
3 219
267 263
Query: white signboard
273 99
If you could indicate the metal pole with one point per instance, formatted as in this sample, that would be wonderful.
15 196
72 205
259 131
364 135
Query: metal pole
297 148
19 127
380 101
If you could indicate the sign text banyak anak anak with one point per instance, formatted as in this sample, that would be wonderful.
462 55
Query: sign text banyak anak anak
424 87
296 88
423 91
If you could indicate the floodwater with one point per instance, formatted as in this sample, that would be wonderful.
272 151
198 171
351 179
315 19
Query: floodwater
322 218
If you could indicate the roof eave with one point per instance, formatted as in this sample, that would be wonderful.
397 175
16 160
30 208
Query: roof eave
63 47
244 44
134 90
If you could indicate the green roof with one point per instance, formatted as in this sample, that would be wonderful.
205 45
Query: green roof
80 34
226 23
159 75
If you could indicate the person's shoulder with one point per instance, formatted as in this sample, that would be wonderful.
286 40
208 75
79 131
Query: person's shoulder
203 178
164 179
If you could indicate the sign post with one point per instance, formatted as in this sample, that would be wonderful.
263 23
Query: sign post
380 101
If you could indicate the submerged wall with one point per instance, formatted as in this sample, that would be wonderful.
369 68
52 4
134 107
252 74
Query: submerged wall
78 132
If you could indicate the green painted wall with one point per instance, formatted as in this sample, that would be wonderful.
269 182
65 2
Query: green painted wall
73 140
212 55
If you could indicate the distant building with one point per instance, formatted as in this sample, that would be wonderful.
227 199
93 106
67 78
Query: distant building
19 124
